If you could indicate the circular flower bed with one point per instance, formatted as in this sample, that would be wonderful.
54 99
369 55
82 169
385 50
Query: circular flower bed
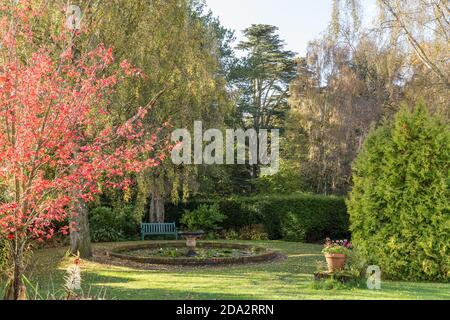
208 253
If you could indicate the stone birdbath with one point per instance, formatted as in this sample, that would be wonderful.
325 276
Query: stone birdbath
191 241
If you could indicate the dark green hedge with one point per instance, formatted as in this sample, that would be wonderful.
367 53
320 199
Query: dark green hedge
296 217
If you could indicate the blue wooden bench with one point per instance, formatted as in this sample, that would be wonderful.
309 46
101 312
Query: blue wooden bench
158 229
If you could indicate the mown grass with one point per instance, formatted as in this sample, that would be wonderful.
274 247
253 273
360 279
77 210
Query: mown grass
287 279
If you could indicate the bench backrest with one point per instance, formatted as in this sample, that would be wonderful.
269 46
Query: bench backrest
158 228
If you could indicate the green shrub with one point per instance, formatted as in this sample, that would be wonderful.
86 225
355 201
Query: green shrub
253 232
109 225
128 222
292 228
400 203
231 234
356 264
205 217
106 234
315 217
335 284
211 235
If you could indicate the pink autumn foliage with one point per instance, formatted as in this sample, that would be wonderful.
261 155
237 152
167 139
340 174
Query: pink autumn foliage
56 139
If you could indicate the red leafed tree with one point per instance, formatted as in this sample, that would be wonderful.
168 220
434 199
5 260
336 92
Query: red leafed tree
57 140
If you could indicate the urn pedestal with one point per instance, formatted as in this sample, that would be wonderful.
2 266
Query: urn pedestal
191 241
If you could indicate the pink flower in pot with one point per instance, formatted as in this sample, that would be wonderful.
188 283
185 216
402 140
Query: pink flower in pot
336 254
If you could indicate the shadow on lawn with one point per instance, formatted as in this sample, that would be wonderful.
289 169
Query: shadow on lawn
185 286
234 283
180 282
286 279
185 282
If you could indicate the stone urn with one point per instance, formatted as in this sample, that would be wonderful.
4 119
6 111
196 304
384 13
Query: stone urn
335 261
191 241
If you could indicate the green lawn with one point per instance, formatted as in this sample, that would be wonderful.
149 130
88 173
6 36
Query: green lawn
287 279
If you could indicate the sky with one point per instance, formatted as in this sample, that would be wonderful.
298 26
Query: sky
299 21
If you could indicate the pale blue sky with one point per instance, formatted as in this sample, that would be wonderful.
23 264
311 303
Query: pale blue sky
299 21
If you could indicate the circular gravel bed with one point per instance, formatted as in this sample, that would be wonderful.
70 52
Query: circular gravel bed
210 253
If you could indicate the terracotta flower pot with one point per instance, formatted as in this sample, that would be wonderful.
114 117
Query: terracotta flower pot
335 261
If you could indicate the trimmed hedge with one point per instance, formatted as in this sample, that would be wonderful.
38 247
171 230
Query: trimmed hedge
296 217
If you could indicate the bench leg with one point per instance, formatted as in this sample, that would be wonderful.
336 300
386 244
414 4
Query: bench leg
142 237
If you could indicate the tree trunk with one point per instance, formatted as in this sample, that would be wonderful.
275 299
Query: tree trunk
15 289
80 238
255 171
156 213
